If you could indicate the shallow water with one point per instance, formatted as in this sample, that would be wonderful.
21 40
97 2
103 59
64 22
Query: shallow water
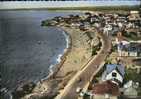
27 50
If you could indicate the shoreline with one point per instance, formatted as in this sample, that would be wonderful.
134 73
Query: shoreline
62 58
62 72
53 69
56 67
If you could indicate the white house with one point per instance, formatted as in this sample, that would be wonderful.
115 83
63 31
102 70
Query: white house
115 73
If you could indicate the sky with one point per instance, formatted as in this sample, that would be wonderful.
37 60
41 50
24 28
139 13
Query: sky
100 2
117 2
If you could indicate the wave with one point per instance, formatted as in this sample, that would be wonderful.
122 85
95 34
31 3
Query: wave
5 93
8 93
58 59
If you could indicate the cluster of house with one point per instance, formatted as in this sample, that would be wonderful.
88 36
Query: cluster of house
107 23
128 48
132 49
110 24
112 84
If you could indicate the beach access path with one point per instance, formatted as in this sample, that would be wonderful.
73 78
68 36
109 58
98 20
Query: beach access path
84 75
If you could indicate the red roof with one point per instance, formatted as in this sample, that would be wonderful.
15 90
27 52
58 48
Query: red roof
106 87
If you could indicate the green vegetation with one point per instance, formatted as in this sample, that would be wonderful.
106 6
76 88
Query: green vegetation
99 74
49 23
131 36
96 48
86 97
89 34
108 61
114 48
131 74
45 23
94 51
100 8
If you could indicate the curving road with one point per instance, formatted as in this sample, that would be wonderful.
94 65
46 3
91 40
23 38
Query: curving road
84 75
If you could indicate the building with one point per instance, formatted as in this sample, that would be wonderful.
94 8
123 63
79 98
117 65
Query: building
114 73
134 16
131 49
130 89
134 49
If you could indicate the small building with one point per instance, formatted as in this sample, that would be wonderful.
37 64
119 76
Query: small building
107 29
134 16
134 49
76 24
133 52
115 73
130 89
129 49
134 12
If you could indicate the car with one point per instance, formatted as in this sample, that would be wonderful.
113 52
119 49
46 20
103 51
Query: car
78 90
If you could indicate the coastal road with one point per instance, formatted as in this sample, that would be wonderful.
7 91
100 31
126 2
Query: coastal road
84 75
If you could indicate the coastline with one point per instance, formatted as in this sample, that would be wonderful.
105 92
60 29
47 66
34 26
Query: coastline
66 68
62 57
53 70
74 57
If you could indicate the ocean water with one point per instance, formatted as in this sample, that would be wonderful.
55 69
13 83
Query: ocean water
27 50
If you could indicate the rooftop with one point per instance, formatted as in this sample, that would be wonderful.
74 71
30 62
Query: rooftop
111 67
107 87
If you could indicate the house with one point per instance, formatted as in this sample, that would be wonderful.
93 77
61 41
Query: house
122 45
129 25
114 73
125 46
120 48
107 29
133 52
76 24
130 89
134 16
134 49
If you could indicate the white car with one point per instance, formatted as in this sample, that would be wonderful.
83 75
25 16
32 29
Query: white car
78 90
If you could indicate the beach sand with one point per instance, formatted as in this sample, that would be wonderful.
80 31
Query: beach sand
79 54
76 57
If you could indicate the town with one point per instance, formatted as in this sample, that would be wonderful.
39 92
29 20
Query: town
102 59
114 68
70 49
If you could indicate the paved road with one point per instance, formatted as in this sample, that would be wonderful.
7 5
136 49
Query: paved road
87 72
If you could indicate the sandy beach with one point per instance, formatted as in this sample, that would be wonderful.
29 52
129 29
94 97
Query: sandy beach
76 56
80 52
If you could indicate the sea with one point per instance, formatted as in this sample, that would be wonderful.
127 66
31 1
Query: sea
28 51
